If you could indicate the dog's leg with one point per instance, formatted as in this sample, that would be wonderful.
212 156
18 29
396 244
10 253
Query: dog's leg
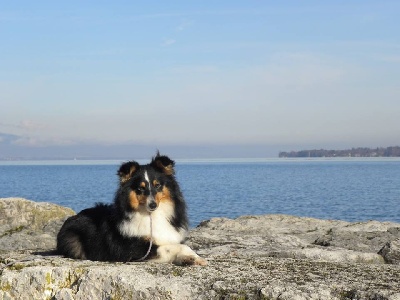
178 254
70 246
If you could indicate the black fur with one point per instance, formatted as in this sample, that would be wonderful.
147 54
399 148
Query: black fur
94 233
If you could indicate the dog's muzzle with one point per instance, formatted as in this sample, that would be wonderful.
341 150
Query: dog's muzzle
151 205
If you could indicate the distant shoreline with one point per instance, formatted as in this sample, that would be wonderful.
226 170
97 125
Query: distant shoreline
380 152
392 151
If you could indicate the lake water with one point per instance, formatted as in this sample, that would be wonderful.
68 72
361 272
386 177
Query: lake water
345 189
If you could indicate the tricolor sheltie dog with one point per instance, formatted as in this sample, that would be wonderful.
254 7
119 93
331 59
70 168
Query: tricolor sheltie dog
147 220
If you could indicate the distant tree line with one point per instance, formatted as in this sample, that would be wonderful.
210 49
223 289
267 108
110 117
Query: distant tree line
354 152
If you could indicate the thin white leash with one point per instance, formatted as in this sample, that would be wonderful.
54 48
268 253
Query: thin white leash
151 241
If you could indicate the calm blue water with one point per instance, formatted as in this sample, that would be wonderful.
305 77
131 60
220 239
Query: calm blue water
352 190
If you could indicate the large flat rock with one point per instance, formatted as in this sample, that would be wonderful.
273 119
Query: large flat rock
251 257
30 225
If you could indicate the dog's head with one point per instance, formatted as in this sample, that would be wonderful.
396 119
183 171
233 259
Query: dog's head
147 185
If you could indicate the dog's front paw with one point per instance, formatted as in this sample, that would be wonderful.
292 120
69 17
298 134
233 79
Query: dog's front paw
199 261
187 257
190 260
179 254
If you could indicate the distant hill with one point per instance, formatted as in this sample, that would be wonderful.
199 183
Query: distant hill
354 152
11 148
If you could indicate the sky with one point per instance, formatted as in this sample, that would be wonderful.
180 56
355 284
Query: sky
239 78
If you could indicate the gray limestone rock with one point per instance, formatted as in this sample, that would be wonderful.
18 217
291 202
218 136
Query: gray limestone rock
251 257
30 225
391 252
361 236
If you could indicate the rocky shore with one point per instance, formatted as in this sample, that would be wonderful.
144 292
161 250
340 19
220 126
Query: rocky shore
251 257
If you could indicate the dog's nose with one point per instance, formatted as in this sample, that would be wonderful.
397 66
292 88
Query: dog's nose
152 205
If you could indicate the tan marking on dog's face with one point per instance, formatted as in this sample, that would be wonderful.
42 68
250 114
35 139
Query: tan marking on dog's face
157 185
135 200
163 195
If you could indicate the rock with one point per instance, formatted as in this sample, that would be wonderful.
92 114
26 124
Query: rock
30 225
360 236
226 277
291 237
251 257
391 252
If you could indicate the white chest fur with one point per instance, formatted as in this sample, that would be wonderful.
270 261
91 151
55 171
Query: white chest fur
163 233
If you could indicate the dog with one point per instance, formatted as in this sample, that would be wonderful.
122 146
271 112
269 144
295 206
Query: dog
147 220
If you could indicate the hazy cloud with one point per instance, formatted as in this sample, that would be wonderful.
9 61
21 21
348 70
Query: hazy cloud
184 25
31 125
168 42
31 141
26 125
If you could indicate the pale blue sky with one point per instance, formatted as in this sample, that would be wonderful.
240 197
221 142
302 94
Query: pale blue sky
294 74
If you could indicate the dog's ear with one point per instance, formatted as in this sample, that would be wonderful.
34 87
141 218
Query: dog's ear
126 170
163 163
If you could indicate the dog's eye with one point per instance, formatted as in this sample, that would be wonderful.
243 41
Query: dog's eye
140 189
158 186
